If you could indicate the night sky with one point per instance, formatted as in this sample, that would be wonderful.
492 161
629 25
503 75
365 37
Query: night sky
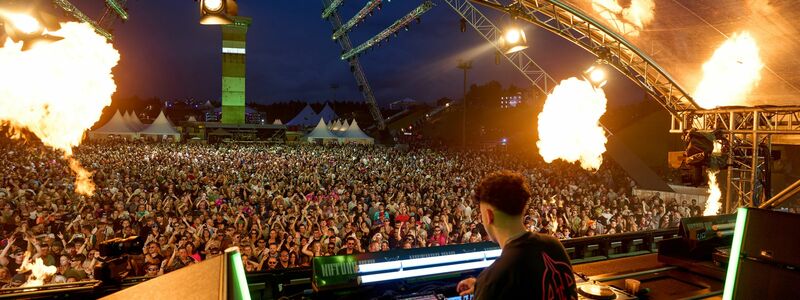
167 54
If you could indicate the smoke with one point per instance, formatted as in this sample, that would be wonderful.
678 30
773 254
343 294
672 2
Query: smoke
732 72
57 91
569 124
629 21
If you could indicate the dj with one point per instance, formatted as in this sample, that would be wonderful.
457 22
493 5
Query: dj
531 265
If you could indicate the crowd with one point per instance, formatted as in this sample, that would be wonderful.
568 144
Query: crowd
284 205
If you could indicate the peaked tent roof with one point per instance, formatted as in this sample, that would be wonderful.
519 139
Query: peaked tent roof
328 113
354 132
133 121
344 126
161 126
277 122
306 117
192 119
321 131
116 125
336 125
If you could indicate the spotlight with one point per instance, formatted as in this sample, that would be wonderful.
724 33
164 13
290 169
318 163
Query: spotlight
596 74
513 40
213 5
217 12
31 29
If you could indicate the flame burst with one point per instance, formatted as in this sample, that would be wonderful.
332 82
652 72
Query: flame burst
628 21
569 126
39 271
731 74
714 195
58 90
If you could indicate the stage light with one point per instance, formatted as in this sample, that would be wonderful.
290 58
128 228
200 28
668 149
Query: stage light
213 5
513 36
596 74
513 40
217 12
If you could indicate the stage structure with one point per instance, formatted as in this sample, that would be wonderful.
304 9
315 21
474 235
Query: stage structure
115 9
234 40
750 132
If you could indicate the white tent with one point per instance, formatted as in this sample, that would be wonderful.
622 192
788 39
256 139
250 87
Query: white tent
277 122
336 125
133 121
162 127
328 113
344 126
329 125
321 134
306 117
353 134
115 126
191 119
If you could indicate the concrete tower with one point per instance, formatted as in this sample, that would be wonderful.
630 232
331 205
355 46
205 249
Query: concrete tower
234 37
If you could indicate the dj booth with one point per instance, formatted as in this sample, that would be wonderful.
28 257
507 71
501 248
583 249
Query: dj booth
433 273
738 256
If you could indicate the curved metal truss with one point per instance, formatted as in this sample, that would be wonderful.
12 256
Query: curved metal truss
750 132
524 63
576 27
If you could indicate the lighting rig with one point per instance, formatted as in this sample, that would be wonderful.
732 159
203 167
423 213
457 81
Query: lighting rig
358 18
398 25
328 11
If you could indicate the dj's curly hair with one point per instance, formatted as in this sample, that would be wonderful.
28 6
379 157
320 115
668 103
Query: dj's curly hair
505 190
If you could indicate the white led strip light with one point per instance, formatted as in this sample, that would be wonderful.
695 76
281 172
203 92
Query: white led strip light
425 272
233 50
486 258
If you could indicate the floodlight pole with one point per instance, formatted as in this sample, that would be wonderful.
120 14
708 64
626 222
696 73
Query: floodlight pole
465 65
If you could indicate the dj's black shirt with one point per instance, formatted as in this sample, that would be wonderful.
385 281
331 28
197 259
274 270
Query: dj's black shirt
532 266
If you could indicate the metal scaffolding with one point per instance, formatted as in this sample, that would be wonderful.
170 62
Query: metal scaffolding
332 7
358 72
392 29
750 133
520 60
582 30
360 16
114 9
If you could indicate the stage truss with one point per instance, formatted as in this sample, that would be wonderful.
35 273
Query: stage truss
750 132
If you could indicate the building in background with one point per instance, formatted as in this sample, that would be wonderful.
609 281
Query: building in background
511 101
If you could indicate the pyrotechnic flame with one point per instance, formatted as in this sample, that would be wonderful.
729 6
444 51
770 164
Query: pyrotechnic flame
628 21
569 124
39 271
731 74
714 195
58 90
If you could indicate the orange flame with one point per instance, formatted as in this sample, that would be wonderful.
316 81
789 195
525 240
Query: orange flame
732 72
714 195
569 126
59 90
39 271
628 21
